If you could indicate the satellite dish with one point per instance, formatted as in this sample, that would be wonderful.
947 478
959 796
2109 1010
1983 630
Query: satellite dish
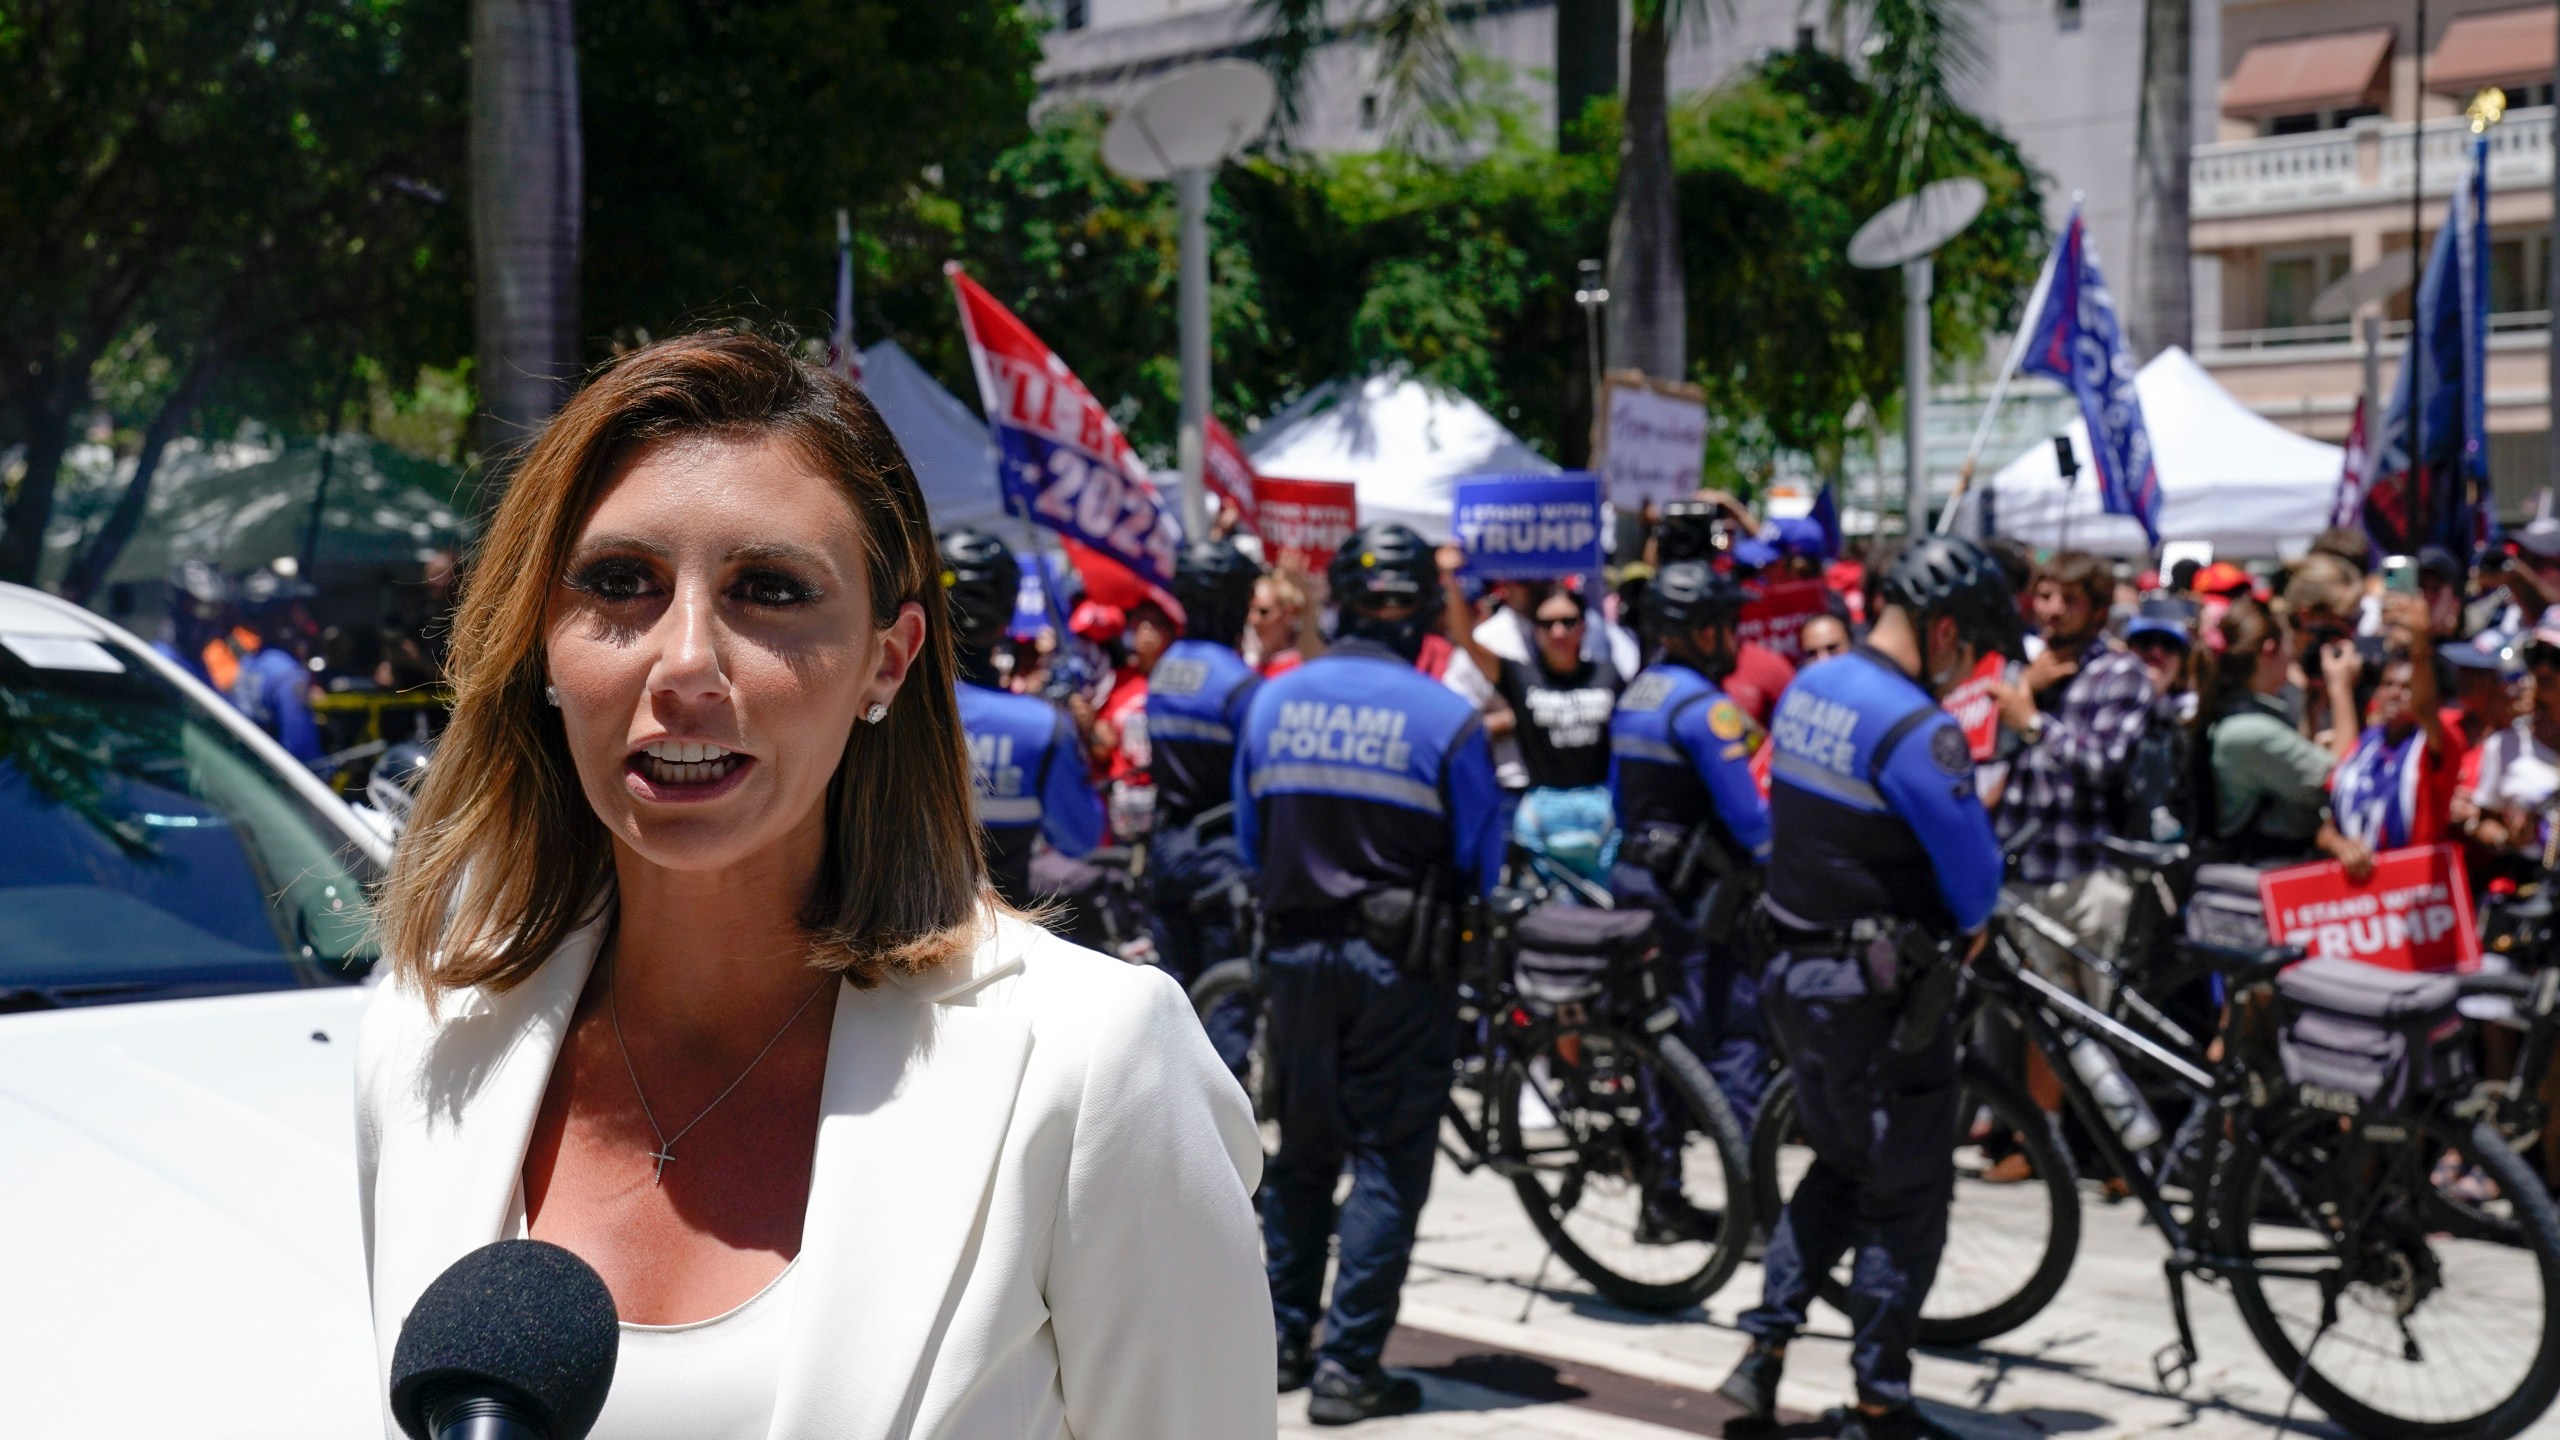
1191 120
2349 293
1917 224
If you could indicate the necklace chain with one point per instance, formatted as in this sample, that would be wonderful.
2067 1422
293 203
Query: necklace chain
666 1142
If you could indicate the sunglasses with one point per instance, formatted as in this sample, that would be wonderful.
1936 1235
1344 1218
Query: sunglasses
1570 622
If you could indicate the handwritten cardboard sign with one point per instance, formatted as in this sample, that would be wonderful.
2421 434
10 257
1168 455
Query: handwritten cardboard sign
1652 440
2412 913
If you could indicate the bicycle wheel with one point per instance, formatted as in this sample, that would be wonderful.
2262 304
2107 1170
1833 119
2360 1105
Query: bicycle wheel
2403 1271
2010 1244
1233 1009
1628 1161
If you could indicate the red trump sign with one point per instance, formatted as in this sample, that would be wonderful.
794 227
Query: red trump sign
2412 913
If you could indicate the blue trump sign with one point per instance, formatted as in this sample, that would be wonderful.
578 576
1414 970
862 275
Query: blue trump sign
1528 527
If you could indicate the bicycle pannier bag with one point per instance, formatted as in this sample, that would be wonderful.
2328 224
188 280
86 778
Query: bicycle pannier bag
2380 1036
2225 910
1566 951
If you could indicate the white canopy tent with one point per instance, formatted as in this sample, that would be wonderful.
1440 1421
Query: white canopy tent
1406 444
2228 475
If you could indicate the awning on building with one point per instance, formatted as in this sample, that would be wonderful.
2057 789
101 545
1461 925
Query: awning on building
2312 73
2501 47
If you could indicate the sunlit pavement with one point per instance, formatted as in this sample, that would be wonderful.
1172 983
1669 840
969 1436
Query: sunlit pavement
1580 1366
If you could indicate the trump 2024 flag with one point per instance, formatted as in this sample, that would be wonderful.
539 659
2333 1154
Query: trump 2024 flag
2076 340
1065 464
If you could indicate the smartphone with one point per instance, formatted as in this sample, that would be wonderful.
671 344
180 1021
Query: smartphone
2399 575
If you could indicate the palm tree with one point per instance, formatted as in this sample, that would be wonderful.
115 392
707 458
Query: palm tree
2163 308
526 194
1648 300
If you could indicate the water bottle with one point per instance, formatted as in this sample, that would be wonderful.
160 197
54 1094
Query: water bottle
2116 1094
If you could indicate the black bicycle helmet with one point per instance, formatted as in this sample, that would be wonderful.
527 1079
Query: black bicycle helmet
982 579
1384 564
1213 582
1947 575
1688 594
200 584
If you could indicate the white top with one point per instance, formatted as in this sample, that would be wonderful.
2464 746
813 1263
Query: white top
2515 769
711 1379
714 1379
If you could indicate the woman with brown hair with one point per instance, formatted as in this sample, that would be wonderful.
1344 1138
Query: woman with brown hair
696 972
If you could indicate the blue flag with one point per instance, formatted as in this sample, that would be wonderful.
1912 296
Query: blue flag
1826 513
2077 341
1528 527
2440 498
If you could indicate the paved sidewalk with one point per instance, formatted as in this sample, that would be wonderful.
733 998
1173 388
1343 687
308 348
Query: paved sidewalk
1580 1366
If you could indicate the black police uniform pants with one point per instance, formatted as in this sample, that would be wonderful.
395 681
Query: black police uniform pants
1883 1129
1361 1055
1195 926
1718 1001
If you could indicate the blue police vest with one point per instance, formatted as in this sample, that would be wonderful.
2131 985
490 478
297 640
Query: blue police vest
1680 754
1027 778
1873 803
1357 772
1196 698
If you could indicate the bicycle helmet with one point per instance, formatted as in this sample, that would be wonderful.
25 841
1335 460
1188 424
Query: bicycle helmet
1213 583
982 579
1688 594
1384 564
199 585
1947 575
397 778
265 591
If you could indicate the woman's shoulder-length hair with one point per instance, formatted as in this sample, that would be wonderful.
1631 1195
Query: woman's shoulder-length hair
504 857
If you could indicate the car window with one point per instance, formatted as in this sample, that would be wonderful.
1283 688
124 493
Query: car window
148 852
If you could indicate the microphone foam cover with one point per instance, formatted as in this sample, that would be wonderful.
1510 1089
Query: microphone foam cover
521 1314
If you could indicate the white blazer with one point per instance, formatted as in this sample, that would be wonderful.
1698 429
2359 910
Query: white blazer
1029 1214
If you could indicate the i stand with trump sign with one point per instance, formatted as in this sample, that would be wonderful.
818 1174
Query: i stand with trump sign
1528 527
2412 913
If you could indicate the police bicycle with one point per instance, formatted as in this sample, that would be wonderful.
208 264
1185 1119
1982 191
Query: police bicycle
2328 1106
1572 1085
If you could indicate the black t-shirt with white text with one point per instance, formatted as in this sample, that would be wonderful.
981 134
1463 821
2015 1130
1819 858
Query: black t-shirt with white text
1563 720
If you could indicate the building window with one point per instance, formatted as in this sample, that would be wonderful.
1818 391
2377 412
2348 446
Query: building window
1070 14
1369 112
2522 97
2519 272
2295 278
2066 14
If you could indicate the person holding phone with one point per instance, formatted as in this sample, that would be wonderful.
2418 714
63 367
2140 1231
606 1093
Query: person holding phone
2395 788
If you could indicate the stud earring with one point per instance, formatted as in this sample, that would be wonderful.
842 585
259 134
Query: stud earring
551 695
878 712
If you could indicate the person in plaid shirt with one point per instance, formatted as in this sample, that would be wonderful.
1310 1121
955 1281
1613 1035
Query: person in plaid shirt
2078 709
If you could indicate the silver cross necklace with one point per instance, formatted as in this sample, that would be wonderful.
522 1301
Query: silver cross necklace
666 1142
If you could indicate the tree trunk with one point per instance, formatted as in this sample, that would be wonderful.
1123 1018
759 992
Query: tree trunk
2163 300
89 569
1648 301
48 402
526 194
1586 64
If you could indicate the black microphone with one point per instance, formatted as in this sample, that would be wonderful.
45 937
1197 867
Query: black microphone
514 1341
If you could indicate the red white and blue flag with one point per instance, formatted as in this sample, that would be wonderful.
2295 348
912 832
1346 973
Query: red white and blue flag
2077 341
1064 464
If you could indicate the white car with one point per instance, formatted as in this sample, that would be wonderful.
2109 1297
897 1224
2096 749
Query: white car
182 950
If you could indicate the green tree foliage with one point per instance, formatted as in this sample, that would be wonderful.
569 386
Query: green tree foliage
208 205
1463 273
721 137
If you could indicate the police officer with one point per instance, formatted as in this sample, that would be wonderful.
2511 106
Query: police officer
1196 698
1693 819
1365 797
273 688
1883 873
1027 767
